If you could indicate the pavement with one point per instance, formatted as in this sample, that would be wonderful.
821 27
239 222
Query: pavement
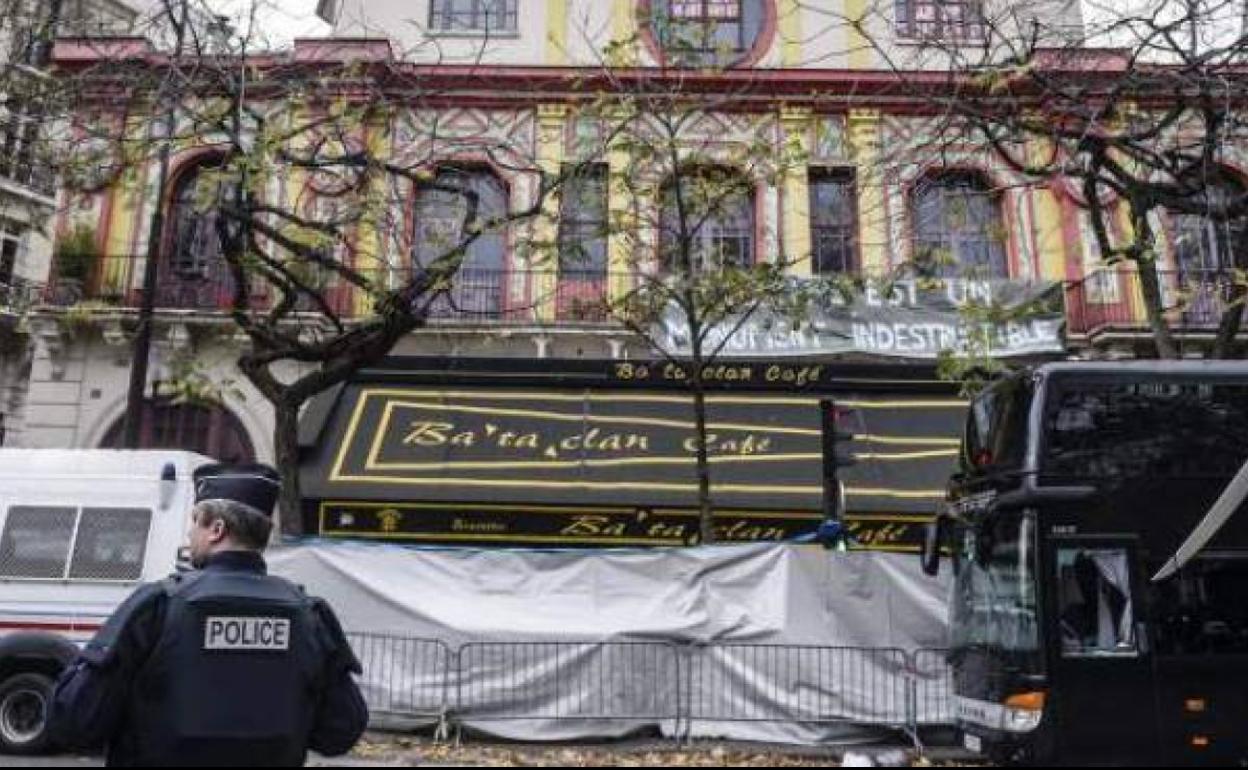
407 750
69 760
667 754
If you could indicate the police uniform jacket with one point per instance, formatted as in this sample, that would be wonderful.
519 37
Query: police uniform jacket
224 666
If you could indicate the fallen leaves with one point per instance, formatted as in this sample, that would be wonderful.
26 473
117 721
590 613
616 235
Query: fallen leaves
415 750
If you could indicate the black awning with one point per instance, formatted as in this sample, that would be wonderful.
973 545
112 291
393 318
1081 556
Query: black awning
577 458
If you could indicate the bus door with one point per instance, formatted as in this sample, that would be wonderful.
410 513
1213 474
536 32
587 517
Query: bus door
1102 685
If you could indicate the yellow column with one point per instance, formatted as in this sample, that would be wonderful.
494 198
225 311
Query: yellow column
1050 241
795 214
295 178
551 119
1122 213
128 200
1120 217
296 194
369 252
119 265
556 32
622 234
623 20
858 44
1049 233
790 25
864 141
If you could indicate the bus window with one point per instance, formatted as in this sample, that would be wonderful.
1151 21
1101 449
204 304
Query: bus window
996 426
1129 430
975 452
1094 602
1203 610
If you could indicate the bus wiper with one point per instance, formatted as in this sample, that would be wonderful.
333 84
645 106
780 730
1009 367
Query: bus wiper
1226 505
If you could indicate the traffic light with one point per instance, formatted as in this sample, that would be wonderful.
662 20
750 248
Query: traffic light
836 455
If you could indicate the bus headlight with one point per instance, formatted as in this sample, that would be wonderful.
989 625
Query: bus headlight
1021 721
1023 712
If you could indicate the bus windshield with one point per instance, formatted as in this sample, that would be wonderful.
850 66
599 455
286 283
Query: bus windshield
994 602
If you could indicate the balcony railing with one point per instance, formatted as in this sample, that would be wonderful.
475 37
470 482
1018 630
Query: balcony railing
1110 299
493 296
1107 300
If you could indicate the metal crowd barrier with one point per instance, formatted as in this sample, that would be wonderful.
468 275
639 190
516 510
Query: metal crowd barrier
568 680
785 683
932 687
404 676
654 683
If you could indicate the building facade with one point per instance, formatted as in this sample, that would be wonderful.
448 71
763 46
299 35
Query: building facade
874 190
27 187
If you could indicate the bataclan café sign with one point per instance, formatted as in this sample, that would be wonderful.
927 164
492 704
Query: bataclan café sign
602 453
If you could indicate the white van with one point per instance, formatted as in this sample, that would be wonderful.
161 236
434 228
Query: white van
79 529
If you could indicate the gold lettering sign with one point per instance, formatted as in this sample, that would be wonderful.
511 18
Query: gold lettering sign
390 519
799 376
552 435
604 447
572 525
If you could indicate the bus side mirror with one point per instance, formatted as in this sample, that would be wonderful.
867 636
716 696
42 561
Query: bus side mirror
935 534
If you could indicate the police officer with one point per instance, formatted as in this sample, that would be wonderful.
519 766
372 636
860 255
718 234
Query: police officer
226 665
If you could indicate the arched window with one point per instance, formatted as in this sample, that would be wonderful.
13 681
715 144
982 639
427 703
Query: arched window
211 430
717 223
194 273
1213 243
441 209
194 240
701 33
957 225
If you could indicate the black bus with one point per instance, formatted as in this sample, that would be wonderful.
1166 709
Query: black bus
1077 483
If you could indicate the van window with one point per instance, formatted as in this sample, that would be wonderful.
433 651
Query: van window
111 543
36 541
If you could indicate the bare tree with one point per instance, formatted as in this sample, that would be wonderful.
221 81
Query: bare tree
1139 113
691 265
305 201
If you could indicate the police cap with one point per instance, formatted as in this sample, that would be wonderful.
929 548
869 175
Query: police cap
252 484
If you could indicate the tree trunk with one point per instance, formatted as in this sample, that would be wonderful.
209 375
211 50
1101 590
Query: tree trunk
706 514
286 453
1150 288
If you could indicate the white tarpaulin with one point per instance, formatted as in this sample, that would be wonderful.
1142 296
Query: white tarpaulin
760 641
907 317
